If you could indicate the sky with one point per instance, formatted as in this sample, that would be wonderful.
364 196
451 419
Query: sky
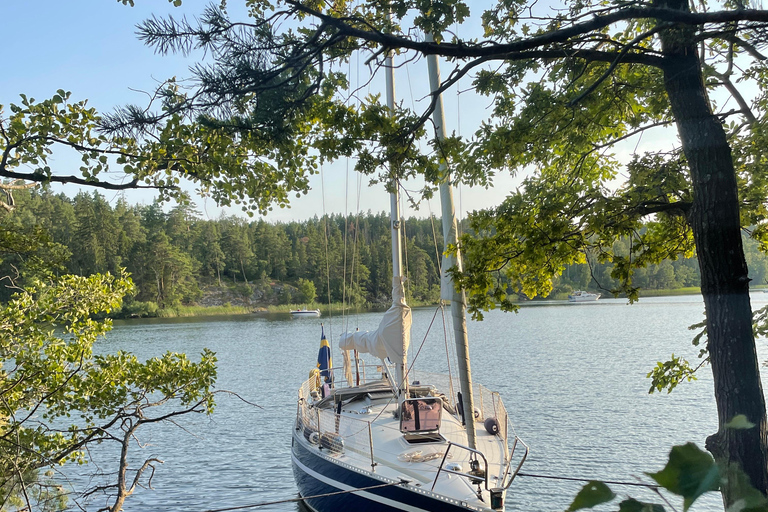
89 47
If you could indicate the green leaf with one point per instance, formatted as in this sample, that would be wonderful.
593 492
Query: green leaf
632 505
592 494
690 472
739 422
745 497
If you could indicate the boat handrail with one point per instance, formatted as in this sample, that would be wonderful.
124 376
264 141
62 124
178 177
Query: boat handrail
469 476
509 464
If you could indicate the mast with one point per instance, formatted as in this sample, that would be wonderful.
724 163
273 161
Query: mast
450 237
398 293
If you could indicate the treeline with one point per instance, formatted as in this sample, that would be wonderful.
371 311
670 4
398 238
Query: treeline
173 256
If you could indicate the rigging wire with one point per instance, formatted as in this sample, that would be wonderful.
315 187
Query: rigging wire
327 263
439 259
357 232
344 264
404 240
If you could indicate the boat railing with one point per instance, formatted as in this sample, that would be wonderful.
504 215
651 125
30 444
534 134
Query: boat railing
490 405
362 374
337 434
476 473
509 474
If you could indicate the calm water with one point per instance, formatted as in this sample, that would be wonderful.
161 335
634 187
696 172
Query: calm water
572 377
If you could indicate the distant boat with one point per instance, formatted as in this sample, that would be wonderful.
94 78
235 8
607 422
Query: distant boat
582 296
301 313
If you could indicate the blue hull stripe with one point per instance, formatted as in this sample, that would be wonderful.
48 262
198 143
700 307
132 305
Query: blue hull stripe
364 494
317 475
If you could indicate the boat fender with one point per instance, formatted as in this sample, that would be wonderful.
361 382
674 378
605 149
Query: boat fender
477 413
314 379
332 441
491 426
308 431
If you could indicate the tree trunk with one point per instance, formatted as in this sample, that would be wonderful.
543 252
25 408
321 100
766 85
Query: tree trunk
714 219
242 267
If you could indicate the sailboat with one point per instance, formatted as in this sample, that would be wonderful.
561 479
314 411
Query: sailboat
383 442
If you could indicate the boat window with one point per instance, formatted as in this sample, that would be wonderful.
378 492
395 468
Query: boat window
420 415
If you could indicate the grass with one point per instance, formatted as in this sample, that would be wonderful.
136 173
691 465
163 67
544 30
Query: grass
335 308
690 290
188 311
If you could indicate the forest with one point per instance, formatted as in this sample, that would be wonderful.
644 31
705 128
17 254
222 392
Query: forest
174 256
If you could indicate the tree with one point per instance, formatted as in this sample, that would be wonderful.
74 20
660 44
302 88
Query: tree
172 271
307 291
236 246
58 399
566 89
202 154
209 250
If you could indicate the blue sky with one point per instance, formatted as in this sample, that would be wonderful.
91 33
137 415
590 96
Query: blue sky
89 47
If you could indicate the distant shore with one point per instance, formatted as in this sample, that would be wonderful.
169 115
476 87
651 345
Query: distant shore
336 308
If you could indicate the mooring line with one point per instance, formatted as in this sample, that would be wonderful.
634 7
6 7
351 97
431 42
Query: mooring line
336 493
572 479
256 505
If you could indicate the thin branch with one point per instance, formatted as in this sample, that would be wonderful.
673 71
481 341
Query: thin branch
624 51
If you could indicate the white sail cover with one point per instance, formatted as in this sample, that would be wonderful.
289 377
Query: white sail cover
393 336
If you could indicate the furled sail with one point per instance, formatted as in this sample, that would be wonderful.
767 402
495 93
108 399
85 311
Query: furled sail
392 338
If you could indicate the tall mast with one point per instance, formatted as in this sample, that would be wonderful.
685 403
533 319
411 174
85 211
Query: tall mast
450 237
394 224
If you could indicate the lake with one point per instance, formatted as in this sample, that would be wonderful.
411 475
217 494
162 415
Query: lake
573 377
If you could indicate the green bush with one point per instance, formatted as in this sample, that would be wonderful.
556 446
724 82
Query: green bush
138 309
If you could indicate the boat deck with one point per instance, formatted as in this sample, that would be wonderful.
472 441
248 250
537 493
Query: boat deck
366 435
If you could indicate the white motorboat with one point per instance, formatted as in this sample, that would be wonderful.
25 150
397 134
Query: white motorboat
305 313
583 296
383 442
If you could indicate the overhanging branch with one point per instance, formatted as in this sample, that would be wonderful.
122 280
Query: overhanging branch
486 49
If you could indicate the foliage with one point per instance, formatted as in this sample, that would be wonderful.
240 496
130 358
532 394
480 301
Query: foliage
307 291
230 167
138 309
594 493
59 399
173 256
689 473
